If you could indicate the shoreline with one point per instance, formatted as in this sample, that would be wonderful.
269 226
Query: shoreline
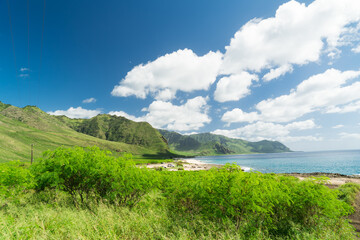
297 174
335 179
184 165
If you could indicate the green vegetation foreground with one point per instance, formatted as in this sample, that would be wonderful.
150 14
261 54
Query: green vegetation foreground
76 193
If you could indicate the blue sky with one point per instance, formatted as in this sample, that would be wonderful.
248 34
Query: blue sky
277 70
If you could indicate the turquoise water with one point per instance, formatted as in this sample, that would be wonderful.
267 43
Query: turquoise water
343 162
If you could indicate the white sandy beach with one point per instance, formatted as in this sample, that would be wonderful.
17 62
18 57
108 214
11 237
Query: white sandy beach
184 164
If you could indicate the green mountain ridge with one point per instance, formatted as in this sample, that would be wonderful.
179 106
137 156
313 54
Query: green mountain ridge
21 127
205 144
119 129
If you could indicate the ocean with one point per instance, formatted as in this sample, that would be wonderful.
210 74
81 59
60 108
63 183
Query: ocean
344 162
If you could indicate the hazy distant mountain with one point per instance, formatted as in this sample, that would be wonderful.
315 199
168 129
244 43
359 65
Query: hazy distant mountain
212 144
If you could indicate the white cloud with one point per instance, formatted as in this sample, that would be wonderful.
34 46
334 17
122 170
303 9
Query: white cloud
181 70
190 133
190 116
125 115
24 75
271 131
165 95
351 107
24 72
78 112
237 115
289 139
234 87
318 92
322 92
277 72
302 125
298 34
338 126
356 49
89 100
350 135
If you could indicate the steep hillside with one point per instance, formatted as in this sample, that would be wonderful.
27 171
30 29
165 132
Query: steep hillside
211 144
21 127
119 129
33 117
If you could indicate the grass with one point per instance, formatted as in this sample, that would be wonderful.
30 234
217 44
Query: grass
152 161
348 192
50 215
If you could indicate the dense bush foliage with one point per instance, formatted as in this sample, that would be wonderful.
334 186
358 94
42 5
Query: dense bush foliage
92 174
348 191
14 179
220 203
254 200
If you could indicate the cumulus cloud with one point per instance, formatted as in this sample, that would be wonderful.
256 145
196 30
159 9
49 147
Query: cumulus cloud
190 116
309 138
330 92
89 100
356 49
182 70
338 126
237 115
78 112
234 87
125 115
190 133
319 92
351 107
270 131
297 34
350 135
277 72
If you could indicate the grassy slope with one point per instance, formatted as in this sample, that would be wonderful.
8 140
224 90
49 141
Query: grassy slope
120 129
21 127
211 144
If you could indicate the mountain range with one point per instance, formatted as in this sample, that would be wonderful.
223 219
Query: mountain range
203 144
21 127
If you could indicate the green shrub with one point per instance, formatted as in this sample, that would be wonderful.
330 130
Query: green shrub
253 200
159 169
91 174
347 192
14 179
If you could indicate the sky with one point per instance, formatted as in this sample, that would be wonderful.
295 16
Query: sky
279 70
